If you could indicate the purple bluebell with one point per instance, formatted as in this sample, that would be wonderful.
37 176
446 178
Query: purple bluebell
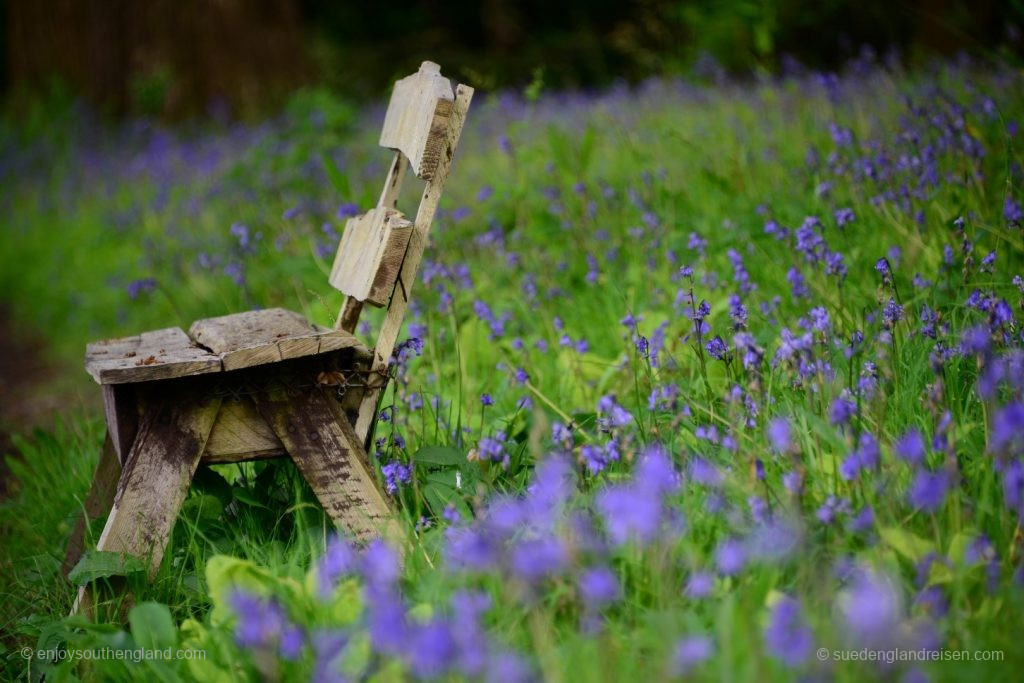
395 474
730 556
615 415
699 585
717 348
339 559
142 286
538 558
911 447
1012 211
689 652
787 636
871 609
599 586
841 411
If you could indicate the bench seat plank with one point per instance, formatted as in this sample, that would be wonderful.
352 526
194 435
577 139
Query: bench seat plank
243 340
160 354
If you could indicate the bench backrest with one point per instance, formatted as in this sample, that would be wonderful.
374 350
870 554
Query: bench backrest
380 250
373 245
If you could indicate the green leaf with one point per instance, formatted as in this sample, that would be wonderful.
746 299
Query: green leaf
447 478
246 496
225 574
211 482
439 495
202 507
910 546
445 456
152 626
97 564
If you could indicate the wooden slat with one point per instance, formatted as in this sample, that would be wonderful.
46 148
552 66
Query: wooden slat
157 475
393 183
392 324
328 454
160 354
410 125
122 417
238 431
230 333
370 255
97 502
243 340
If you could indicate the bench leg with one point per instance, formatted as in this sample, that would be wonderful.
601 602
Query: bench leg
97 502
155 480
324 446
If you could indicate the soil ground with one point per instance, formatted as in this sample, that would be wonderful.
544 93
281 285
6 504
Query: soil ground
26 381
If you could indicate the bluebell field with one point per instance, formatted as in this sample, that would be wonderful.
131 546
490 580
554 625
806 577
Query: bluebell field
701 380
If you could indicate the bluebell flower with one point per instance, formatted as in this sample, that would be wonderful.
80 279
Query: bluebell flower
871 609
689 652
779 434
699 585
717 348
911 447
141 286
614 414
841 411
787 636
599 587
730 556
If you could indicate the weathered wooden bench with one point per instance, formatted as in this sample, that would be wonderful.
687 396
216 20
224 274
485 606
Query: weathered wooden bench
268 383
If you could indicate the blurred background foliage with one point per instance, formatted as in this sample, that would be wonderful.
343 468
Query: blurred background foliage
177 59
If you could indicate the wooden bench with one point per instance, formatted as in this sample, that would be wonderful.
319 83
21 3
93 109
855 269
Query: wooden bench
268 383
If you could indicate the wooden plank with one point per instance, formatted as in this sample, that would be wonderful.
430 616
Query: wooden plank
157 474
393 183
349 316
243 340
335 340
122 417
97 502
228 333
370 255
414 253
240 432
409 124
156 355
328 454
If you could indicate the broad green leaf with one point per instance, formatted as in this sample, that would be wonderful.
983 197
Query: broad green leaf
445 456
152 626
225 574
97 564
209 481
910 546
439 496
958 547
244 495
202 507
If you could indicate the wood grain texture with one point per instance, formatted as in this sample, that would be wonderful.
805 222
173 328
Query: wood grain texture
409 124
240 433
370 255
414 254
157 474
156 355
328 454
348 318
121 412
393 183
97 503
243 340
